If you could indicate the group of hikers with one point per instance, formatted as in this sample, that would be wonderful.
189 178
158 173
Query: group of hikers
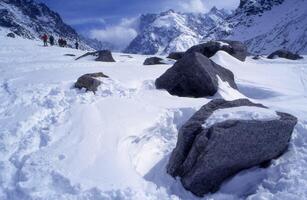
61 42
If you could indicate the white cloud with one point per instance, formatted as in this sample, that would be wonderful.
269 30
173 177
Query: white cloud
119 35
196 6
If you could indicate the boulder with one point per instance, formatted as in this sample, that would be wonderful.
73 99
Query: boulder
176 55
153 61
235 48
194 76
207 153
90 81
11 35
285 54
102 56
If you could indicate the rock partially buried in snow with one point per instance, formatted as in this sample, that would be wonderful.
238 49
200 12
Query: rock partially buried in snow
235 48
102 56
284 54
194 76
225 137
153 61
90 81
11 35
176 55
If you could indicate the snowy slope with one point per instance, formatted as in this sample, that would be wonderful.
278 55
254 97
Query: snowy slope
171 31
266 26
60 143
30 19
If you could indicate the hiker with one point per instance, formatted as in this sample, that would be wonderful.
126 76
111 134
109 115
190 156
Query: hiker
51 40
77 45
45 39
64 43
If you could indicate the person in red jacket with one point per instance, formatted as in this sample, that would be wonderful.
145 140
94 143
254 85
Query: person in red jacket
45 39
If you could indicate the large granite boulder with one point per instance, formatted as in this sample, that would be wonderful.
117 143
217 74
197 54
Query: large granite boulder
194 76
102 56
216 143
90 81
176 55
235 48
284 54
153 61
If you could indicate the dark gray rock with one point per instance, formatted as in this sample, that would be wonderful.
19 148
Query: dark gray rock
90 81
11 35
205 157
102 56
257 57
176 55
70 55
285 54
235 48
153 61
194 76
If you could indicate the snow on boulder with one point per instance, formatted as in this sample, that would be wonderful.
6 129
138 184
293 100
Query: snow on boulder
284 54
90 81
225 137
235 48
102 56
176 55
194 76
153 61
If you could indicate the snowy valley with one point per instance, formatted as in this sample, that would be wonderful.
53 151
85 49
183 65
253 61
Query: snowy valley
210 122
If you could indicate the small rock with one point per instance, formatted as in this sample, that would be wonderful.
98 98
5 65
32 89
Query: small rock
153 61
102 56
176 55
71 55
285 54
194 75
11 35
90 81
205 156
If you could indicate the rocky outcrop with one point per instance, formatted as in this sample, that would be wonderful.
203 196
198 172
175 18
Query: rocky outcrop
284 54
176 55
205 156
235 48
153 61
102 56
90 81
194 76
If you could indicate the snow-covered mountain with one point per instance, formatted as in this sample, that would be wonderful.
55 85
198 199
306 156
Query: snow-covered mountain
173 31
266 25
30 19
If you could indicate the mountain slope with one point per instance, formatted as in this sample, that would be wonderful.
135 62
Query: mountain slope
171 31
266 25
30 19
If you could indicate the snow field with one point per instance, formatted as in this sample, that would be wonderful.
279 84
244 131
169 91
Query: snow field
57 142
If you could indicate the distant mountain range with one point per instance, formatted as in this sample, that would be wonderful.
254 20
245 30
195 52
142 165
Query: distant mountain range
263 25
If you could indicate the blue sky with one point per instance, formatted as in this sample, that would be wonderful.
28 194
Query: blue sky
110 17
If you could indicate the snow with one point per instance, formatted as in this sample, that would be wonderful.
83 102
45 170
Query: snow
57 142
240 113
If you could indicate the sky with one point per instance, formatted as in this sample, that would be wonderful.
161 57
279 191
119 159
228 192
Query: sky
107 20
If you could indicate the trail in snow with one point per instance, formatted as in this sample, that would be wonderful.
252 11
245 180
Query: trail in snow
57 142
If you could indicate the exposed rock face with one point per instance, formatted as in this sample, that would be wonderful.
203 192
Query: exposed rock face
90 81
11 35
102 56
285 54
194 76
176 55
30 19
206 156
172 31
153 61
235 48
